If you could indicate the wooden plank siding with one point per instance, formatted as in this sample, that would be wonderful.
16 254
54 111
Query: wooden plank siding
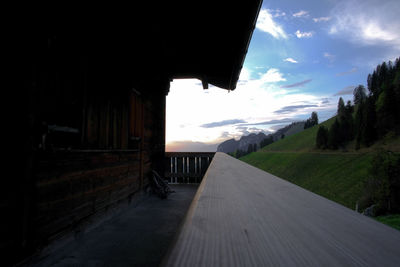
72 186
123 142
103 136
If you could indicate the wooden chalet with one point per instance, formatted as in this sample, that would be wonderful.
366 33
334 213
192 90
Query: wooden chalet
95 81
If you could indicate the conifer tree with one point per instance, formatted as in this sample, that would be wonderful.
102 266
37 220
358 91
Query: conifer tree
322 137
250 148
341 108
334 135
359 95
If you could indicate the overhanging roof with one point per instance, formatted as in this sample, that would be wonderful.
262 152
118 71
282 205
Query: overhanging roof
210 41
205 39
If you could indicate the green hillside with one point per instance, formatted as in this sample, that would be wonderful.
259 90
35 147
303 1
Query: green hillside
334 174
368 175
303 141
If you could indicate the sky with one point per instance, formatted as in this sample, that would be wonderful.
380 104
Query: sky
302 57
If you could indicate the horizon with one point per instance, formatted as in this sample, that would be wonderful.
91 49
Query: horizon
302 57
183 146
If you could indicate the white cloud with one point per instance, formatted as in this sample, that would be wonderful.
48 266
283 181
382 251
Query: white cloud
266 24
253 101
374 31
289 59
276 13
300 34
244 75
322 19
367 22
271 76
300 14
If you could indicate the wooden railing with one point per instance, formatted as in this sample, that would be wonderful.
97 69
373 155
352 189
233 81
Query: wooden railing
243 216
186 167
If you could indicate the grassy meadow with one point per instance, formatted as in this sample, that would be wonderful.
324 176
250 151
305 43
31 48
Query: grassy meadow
338 175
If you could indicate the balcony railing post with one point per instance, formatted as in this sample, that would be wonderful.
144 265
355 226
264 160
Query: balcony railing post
200 165
187 167
187 170
176 170
195 169
171 168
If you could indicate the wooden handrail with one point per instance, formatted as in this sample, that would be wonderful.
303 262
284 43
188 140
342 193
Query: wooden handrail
243 216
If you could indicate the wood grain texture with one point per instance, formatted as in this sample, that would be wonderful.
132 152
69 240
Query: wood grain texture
243 216
71 186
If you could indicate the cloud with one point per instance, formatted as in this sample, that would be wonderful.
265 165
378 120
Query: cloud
299 84
255 129
325 101
348 90
253 102
301 14
221 123
294 108
322 19
272 75
266 24
191 146
243 130
300 34
244 77
225 135
367 22
329 56
289 59
347 72
258 130
276 13
270 122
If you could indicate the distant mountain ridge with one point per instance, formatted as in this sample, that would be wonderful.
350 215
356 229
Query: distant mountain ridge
231 145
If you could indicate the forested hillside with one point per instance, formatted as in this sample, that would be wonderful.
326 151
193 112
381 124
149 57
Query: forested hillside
374 115
352 158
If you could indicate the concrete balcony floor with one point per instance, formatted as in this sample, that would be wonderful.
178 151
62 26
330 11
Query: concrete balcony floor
137 235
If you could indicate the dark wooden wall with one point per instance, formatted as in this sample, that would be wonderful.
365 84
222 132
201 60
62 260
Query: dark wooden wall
71 186
94 129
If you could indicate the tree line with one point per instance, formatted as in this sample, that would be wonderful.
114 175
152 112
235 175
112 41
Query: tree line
313 120
375 112
374 115
250 148
341 131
